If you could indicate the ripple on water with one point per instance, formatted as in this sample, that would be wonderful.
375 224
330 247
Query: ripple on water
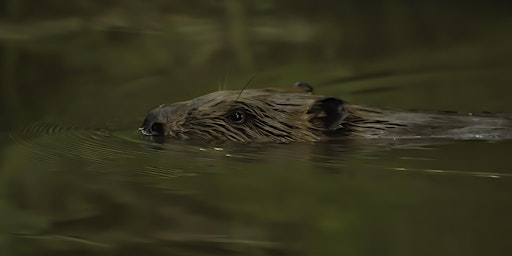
50 141
127 151
102 150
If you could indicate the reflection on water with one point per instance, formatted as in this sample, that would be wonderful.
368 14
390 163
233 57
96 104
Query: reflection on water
99 191
77 78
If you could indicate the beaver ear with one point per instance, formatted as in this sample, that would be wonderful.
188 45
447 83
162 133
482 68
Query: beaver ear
334 110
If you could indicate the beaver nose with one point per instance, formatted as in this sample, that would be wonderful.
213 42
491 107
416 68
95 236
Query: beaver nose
154 123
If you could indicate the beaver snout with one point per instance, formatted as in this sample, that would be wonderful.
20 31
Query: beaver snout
155 123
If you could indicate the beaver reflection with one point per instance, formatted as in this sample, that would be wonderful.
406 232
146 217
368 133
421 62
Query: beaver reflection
272 115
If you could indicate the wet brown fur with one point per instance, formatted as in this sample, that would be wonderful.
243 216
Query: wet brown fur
273 115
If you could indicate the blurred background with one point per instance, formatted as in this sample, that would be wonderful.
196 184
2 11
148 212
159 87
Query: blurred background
92 62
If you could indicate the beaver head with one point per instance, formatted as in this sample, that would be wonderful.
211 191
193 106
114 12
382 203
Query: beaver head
261 115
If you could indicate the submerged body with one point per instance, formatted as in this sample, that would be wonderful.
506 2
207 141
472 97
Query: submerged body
270 115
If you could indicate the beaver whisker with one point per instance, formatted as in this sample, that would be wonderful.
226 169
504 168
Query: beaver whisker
245 86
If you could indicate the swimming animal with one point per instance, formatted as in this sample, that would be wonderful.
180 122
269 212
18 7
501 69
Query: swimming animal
276 115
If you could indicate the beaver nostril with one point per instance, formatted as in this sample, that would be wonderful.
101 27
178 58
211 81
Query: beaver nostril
158 129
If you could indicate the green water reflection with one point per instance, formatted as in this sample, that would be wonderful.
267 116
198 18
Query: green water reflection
282 199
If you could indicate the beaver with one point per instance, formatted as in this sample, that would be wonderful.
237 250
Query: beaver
276 115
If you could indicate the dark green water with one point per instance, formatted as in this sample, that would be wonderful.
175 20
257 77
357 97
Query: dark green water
76 177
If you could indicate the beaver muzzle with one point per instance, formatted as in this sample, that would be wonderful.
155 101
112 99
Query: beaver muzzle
155 123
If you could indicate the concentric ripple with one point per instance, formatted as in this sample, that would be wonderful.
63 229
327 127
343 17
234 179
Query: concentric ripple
64 148
50 141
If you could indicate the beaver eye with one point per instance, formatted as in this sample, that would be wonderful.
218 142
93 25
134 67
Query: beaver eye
237 116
